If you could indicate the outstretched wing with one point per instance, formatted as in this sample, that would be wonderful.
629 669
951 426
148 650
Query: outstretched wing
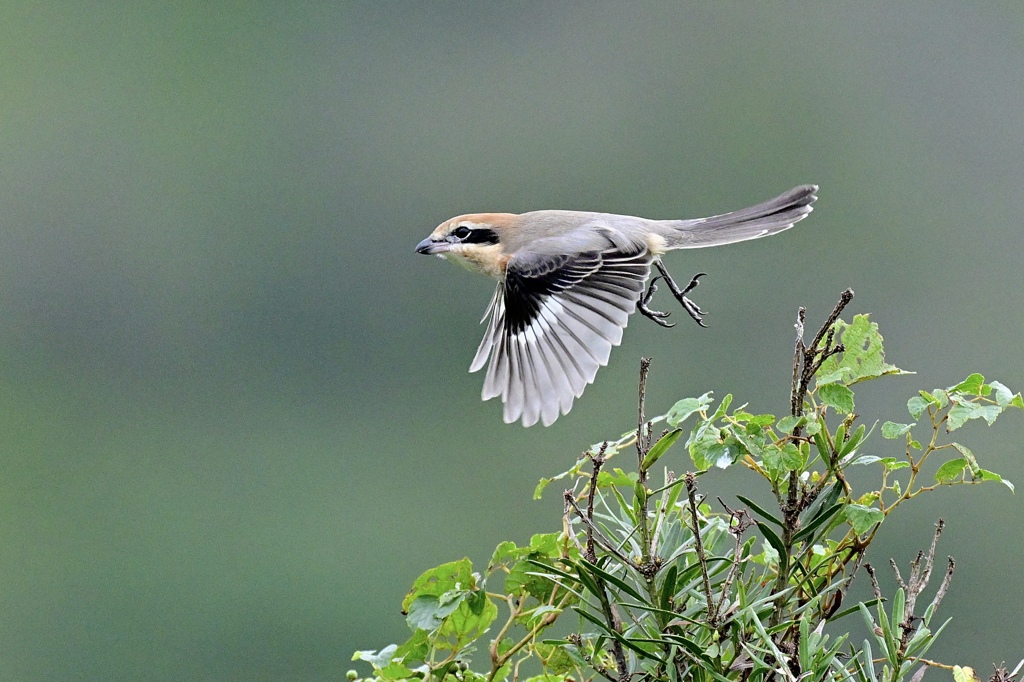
553 322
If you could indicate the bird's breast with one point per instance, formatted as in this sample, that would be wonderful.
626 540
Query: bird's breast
487 260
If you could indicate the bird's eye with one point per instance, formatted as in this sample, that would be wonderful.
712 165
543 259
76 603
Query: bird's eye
462 232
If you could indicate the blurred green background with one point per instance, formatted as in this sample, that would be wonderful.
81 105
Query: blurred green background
236 419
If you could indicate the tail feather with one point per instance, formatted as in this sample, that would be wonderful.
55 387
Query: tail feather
767 218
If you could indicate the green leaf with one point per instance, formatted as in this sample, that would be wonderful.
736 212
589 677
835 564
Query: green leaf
832 377
985 475
668 587
545 544
609 577
607 479
561 657
378 659
415 648
617 636
453 576
538 492
687 407
765 514
792 458
760 419
808 530
751 442
863 518
427 612
660 448
950 470
723 455
855 439
549 677
768 555
964 674
965 452
523 579
700 445
722 408
836 396
787 424
394 671
573 471
899 605
890 463
505 552
775 541
465 625
772 462
892 430
863 357
972 384
916 406
1003 395
963 412
812 428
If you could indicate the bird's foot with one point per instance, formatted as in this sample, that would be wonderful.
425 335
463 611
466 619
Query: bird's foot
654 315
692 309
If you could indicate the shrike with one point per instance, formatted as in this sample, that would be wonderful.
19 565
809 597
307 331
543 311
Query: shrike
567 283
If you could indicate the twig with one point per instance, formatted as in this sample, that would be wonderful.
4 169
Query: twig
598 461
739 518
643 427
798 351
598 536
593 533
847 582
929 564
807 361
946 580
874 582
643 446
810 358
920 574
896 570
691 493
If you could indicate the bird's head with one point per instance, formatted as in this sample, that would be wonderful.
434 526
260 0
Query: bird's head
473 241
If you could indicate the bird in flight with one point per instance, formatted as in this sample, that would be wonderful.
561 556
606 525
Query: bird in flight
567 283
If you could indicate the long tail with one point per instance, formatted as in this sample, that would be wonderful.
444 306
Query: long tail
767 218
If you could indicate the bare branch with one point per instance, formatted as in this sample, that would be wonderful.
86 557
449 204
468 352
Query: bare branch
946 580
874 581
598 461
691 493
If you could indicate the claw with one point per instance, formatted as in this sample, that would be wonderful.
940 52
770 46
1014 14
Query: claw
691 308
694 282
656 316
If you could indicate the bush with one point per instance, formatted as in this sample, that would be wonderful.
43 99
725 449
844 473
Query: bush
651 582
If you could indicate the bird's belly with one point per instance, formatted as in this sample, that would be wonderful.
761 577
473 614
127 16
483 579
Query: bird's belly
656 244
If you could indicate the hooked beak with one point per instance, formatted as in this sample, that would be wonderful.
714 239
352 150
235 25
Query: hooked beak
429 246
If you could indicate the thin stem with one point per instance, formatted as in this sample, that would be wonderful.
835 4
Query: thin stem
643 446
691 493
599 537
497 661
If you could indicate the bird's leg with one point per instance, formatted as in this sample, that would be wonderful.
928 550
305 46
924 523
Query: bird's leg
691 308
653 315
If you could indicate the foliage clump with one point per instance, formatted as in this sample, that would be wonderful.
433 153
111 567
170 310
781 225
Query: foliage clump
650 581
